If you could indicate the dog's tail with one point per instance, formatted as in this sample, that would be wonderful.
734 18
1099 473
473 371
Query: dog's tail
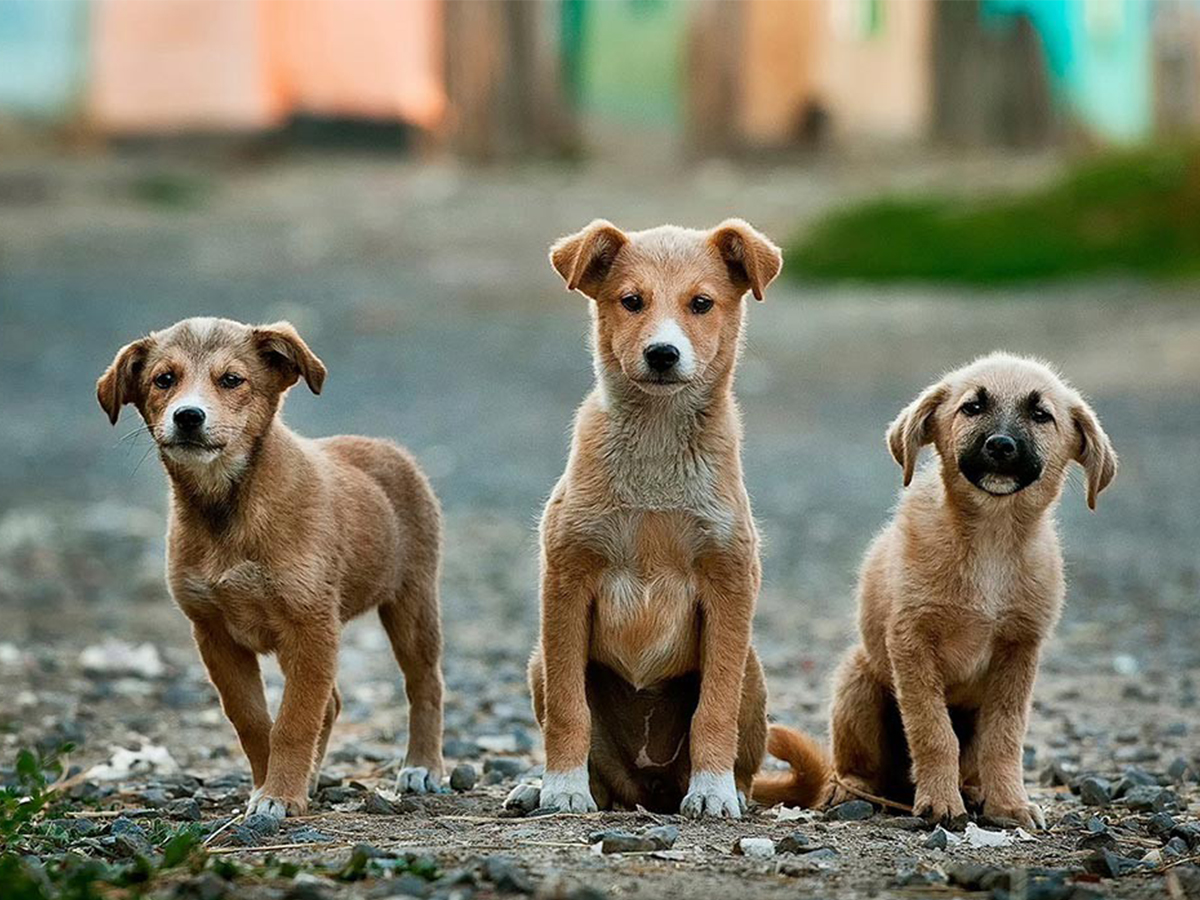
807 784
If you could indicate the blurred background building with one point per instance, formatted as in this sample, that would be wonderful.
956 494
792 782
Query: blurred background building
498 78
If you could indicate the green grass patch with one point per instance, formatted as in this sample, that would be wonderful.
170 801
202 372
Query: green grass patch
1135 212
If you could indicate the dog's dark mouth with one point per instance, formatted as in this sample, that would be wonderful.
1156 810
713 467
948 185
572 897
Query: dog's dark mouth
196 446
999 482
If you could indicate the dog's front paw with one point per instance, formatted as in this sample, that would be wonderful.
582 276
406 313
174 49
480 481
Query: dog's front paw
1022 812
567 791
267 804
940 803
418 780
713 794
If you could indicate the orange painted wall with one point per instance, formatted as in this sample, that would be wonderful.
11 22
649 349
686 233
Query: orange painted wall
176 65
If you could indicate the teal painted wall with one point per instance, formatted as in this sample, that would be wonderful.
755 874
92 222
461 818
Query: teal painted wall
1099 54
43 56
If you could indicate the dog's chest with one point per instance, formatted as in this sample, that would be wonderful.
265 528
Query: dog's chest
242 596
644 622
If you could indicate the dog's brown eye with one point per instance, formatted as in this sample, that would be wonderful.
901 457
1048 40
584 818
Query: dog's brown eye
971 408
164 380
633 302
701 304
1041 416
230 380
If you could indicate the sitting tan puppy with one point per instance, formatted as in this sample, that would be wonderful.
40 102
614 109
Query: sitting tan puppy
274 541
956 596
644 682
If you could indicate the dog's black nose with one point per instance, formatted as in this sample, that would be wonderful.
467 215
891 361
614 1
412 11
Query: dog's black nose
189 418
660 357
1000 447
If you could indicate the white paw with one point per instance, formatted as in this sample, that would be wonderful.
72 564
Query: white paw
524 797
417 780
712 794
567 791
275 807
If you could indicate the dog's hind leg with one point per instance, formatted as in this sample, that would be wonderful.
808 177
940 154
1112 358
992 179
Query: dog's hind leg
413 626
863 742
332 710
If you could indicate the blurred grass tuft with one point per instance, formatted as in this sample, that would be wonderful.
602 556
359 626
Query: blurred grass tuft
1133 212
171 190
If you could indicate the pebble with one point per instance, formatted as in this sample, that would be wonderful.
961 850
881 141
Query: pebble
1095 791
1180 770
186 809
378 805
661 837
1097 840
976 877
851 811
1108 864
261 824
1159 824
205 886
796 842
505 766
307 835
503 872
463 777
1150 799
940 839
755 847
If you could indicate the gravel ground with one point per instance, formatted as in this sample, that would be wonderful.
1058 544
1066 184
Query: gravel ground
425 289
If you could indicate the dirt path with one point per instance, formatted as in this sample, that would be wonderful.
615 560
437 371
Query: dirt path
427 293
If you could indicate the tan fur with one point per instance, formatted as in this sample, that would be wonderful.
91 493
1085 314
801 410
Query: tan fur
956 596
650 568
275 541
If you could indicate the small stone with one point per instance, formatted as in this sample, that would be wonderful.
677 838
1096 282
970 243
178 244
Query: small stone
205 886
940 839
1108 864
1097 840
754 847
976 877
625 842
326 780
307 835
185 808
909 823
1095 825
1180 770
1095 791
1150 799
1176 847
821 854
261 824
664 835
1190 833
1054 775
463 777
851 811
1159 824
378 805
505 766
508 878
661 837
796 842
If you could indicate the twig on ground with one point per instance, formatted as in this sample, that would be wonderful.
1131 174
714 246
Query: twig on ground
266 848
882 801
232 820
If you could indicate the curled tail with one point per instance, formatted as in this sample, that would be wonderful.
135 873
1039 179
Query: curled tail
808 782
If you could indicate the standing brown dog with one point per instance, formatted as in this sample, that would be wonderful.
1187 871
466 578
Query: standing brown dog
956 596
644 681
274 541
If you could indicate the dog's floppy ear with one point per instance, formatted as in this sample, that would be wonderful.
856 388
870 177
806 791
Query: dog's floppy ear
752 258
913 429
1095 453
285 350
584 258
120 382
